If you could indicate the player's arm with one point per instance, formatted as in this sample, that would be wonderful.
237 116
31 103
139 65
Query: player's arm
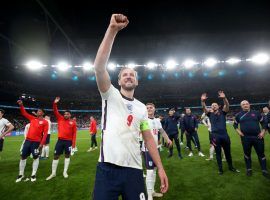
152 149
196 124
165 136
74 136
118 22
226 106
55 108
264 124
9 129
23 111
45 133
203 99
236 126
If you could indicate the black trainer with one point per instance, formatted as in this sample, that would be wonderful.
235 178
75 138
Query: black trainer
249 172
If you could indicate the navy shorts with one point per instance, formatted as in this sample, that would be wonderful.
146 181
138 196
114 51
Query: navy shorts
1 144
30 147
61 146
113 181
48 139
149 163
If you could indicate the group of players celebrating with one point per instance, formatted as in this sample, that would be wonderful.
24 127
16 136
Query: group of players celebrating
124 118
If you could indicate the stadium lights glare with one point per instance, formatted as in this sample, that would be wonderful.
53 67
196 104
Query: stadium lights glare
260 58
170 64
63 66
34 65
131 65
87 66
210 62
233 61
151 65
111 66
188 64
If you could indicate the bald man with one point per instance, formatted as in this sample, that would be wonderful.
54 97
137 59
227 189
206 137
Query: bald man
251 135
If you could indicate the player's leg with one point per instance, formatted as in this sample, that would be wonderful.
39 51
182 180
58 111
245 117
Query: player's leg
95 141
217 144
1 144
177 143
189 136
108 182
182 138
259 148
246 143
171 148
91 145
47 146
59 149
211 149
68 147
196 138
134 185
194 142
26 150
226 145
35 154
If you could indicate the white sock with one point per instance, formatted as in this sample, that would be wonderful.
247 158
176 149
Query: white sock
67 161
47 150
43 152
154 179
22 167
149 182
54 166
212 150
35 166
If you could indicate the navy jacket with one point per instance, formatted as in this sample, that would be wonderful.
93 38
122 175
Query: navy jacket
189 123
170 124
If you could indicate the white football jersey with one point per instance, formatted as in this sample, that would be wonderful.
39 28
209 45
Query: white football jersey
49 126
155 126
122 120
3 124
206 121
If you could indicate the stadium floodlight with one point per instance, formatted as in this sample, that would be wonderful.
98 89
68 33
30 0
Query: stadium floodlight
260 58
87 66
63 66
210 62
111 66
131 65
188 64
170 64
151 65
34 65
233 61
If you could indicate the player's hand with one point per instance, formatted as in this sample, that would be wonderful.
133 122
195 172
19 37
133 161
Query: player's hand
261 135
196 129
20 102
241 134
169 143
57 99
118 22
221 94
164 183
40 148
204 97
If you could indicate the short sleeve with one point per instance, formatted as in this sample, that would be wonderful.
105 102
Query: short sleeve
159 125
6 122
111 91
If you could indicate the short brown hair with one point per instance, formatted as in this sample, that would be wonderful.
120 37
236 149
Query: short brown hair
122 69
150 104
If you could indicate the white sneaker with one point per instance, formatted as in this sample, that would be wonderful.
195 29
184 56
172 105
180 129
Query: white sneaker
91 149
33 178
19 178
181 143
201 154
155 194
209 159
50 177
76 149
190 154
65 174
96 148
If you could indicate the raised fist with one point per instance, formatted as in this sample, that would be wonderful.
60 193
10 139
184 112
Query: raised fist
20 102
57 99
118 21
204 97
221 94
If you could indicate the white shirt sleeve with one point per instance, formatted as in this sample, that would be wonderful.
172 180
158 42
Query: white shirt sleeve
6 122
159 124
112 90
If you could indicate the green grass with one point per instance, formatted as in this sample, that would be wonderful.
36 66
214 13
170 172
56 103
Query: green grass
190 178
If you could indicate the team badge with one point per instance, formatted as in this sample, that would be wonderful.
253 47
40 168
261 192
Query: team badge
40 122
129 107
70 123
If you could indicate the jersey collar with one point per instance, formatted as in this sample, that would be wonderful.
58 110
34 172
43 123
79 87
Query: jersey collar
124 97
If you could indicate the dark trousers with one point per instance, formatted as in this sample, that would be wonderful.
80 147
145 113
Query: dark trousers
176 141
190 136
258 144
222 141
182 136
93 140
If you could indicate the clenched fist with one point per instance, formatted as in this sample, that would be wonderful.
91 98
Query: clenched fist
118 22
